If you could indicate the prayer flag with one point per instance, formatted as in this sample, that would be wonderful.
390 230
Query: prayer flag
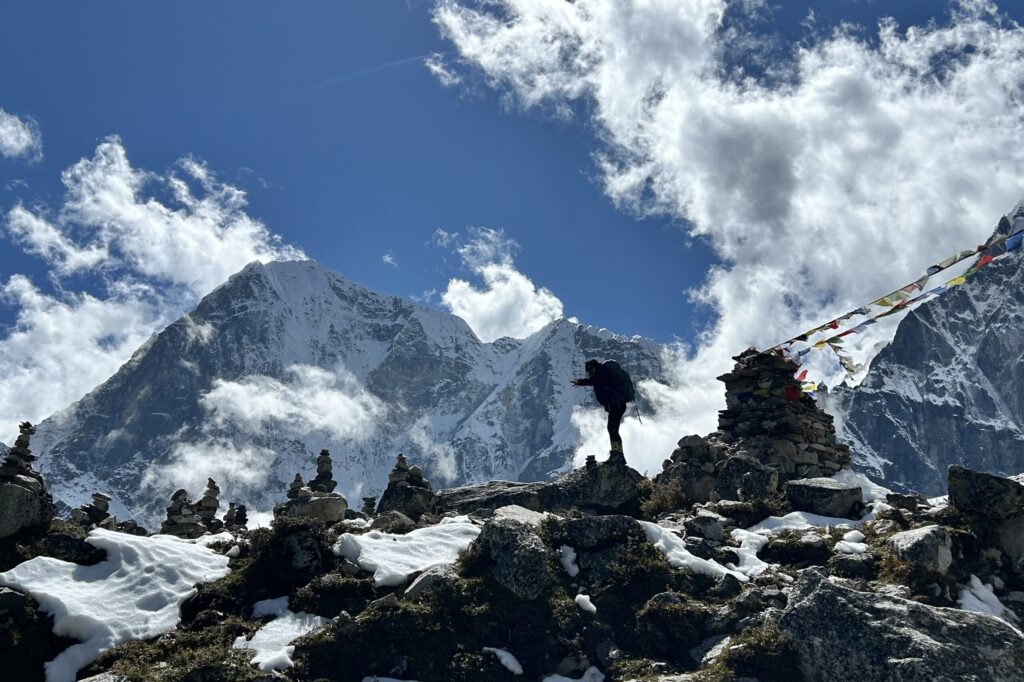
956 281
1013 243
802 375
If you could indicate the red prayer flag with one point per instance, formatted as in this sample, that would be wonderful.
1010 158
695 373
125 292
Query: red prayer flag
802 375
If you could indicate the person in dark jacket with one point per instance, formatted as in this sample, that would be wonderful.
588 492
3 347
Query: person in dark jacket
610 396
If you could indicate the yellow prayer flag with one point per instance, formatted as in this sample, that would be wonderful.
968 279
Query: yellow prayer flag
956 281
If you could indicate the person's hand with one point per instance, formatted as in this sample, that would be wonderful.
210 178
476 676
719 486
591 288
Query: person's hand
575 382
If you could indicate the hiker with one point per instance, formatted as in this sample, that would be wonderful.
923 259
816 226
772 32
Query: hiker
613 388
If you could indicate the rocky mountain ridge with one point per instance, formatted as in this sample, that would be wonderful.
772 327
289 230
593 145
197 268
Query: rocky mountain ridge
948 389
286 359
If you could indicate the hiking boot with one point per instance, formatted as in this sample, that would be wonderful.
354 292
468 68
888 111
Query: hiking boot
616 457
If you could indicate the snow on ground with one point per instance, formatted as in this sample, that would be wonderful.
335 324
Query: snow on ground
207 540
272 642
801 521
583 601
674 549
134 594
591 674
393 558
507 660
872 491
852 543
979 597
750 545
567 555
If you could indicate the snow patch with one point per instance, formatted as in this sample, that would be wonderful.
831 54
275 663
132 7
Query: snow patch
674 549
871 490
852 543
567 555
591 674
393 558
273 642
583 601
978 597
507 660
134 594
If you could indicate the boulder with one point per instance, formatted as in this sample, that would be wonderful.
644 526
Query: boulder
597 532
433 579
896 639
328 508
707 526
518 558
928 547
69 548
517 513
992 505
22 509
394 522
494 495
607 487
974 493
696 483
825 496
413 501
745 478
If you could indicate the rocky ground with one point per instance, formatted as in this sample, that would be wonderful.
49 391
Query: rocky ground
603 575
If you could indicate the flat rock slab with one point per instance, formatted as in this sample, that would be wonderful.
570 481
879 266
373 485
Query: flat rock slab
824 496
836 631
494 495
929 547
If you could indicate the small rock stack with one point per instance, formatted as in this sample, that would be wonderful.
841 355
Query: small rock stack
407 491
182 520
315 501
235 517
94 513
208 506
324 481
369 505
25 504
769 417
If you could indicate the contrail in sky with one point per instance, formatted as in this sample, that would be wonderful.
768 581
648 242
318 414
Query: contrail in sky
364 72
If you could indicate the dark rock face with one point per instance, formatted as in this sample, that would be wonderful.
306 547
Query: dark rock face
69 548
493 495
825 496
412 501
994 507
597 532
23 510
518 556
949 389
27 640
394 522
744 478
836 631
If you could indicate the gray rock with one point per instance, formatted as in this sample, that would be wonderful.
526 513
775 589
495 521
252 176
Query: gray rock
434 579
597 532
974 493
69 548
696 482
825 496
929 547
519 558
494 495
744 478
608 487
895 639
862 566
393 522
412 501
330 509
707 526
517 513
23 510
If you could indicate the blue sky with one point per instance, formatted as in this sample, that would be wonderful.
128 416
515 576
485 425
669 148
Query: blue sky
777 201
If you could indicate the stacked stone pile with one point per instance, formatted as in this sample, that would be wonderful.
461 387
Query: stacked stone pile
369 505
316 500
182 520
324 481
769 417
235 517
25 504
208 506
407 491
95 513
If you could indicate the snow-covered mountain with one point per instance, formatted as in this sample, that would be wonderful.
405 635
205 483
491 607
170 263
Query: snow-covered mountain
288 358
949 389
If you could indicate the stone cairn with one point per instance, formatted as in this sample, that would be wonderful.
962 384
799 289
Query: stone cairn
768 414
235 517
182 520
324 481
208 506
95 513
407 491
317 500
24 500
369 505
18 463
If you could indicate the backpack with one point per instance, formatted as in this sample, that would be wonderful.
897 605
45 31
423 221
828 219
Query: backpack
621 380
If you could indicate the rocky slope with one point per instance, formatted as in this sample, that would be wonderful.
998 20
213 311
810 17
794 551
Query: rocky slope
949 389
288 358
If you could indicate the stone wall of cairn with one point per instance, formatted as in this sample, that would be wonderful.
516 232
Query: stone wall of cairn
768 417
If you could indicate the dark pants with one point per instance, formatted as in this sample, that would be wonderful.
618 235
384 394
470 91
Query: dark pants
615 412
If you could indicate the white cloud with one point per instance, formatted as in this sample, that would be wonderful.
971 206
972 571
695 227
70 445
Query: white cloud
238 468
145 261
441 456
389 259
19 138
508 304
315 399
435 64
828 182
